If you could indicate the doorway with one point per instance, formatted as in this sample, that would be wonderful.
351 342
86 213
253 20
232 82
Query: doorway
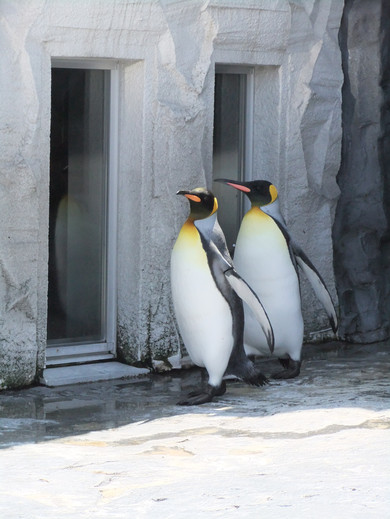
232 142
81 286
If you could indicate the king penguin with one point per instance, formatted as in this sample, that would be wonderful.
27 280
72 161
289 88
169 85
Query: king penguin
267 258
207 297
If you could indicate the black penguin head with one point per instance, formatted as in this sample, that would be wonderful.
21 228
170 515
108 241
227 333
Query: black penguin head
259 192
202 202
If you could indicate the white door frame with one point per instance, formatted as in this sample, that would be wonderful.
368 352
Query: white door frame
57 354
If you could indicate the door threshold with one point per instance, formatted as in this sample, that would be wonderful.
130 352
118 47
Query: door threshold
82 373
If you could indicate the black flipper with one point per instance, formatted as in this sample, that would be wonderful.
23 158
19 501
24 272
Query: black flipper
222 271
299 258
234 289
244 291
317 284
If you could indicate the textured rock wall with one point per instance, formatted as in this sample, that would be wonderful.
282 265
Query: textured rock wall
313 141
167 51
23 187
384 156
179 152
311 80
360 220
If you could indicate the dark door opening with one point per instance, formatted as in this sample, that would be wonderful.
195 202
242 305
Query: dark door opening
229 147
78 206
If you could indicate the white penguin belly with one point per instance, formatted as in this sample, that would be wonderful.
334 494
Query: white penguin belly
202 313
262 258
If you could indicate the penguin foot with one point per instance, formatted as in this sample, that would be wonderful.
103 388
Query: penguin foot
245 370
292 369
201 397
257 379
284 362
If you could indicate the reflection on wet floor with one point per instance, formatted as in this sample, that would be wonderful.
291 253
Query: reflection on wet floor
41 413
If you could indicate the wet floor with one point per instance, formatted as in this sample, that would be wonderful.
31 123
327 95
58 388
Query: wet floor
41 413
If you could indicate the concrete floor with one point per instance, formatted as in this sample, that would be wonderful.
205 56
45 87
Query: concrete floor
316 446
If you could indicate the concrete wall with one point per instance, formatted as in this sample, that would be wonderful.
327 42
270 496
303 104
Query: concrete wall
24 166
166 53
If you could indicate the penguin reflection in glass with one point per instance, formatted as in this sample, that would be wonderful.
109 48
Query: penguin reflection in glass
207 293
267 258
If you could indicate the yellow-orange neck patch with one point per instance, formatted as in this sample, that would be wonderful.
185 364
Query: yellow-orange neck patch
273 192
215 208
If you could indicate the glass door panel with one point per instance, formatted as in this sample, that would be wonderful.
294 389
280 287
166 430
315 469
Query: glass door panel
78 206
229 148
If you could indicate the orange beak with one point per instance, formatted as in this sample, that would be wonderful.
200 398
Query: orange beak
241 188
194 198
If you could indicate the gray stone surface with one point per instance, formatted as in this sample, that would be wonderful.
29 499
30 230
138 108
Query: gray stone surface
166 51
309 139
384 147
360 220
315 446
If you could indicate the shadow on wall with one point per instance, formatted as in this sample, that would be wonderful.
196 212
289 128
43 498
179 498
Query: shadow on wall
360 234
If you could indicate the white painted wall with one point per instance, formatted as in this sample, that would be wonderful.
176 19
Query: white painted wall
166 51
